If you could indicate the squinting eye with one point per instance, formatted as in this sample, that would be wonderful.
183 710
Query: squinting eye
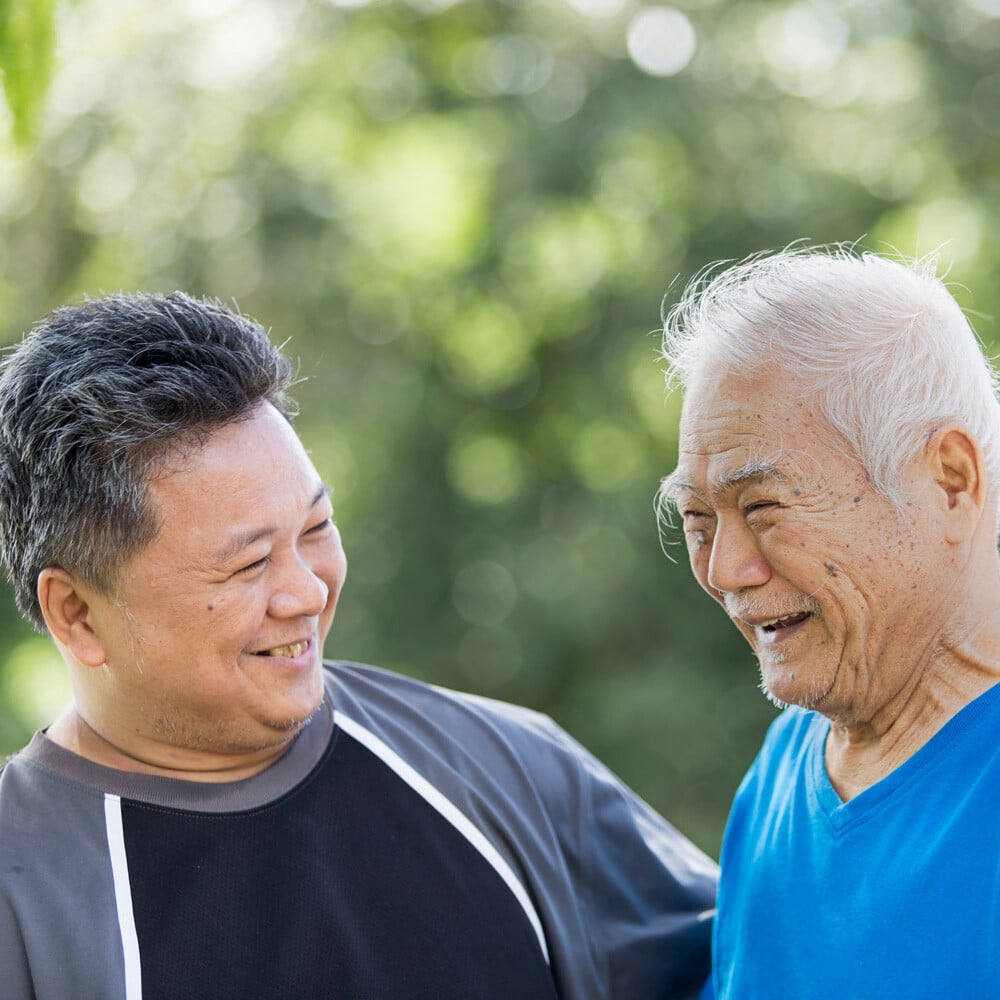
752 508
693 516
697 527
317 528
257 564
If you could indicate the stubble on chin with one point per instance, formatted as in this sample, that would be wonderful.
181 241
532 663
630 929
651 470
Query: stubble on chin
813 693
228 738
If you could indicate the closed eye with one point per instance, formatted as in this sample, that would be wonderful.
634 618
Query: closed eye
759 505
317 529
693 515
255 565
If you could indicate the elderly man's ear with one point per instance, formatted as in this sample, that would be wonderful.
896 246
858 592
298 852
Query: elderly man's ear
67 615
957 465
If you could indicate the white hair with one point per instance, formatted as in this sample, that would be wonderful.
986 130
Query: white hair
880 343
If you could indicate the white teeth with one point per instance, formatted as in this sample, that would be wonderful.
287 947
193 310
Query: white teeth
775 621
294 650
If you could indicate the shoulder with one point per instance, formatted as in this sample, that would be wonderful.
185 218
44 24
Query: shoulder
492 752
403 705
791 732
503 754
366 681
30 788
791 729
615 883
782 756
21 782
42 812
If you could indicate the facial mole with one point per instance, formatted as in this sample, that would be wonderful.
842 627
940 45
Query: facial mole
831 568
797 491
857 499
211 607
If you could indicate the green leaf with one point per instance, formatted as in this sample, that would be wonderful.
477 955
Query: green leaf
27 43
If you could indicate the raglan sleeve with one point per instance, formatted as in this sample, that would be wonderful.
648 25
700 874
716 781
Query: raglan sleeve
649 892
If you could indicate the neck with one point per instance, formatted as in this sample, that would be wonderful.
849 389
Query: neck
863 751
72 732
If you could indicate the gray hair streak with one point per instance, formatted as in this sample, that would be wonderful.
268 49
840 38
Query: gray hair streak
92 401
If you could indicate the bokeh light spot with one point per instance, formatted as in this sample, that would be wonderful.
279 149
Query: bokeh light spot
802 45
661 40
598 9
487 348
990 8
419 194
106 183
951 224
238 47
606 456
486 468
36 684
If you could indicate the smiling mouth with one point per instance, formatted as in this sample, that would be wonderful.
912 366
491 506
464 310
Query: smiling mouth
292 651
785 621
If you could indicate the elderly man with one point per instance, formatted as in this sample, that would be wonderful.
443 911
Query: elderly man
838 479
221 814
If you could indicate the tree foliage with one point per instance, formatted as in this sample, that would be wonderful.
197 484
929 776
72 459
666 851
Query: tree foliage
27 39
463 218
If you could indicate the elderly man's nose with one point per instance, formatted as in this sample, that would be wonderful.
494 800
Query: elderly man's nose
736 561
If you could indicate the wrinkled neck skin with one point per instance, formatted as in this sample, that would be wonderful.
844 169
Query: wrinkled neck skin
960 662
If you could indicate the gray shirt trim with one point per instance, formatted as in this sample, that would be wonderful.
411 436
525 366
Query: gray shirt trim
196 796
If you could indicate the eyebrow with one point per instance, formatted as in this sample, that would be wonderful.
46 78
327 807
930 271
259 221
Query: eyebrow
752 472
244 539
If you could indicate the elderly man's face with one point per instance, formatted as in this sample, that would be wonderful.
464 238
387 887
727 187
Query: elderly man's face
216 643
832 586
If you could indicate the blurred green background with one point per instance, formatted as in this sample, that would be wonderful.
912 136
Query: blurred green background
462 217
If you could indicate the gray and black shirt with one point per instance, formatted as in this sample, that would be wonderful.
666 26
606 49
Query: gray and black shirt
412 844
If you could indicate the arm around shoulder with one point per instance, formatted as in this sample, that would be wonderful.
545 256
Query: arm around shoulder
648 892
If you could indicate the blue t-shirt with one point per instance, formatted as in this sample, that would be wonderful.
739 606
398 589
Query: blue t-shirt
893 894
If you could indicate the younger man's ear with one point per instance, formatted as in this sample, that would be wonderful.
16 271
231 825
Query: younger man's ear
67 615
958 467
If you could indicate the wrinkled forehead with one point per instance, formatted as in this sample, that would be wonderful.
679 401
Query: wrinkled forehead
734 430
723 411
